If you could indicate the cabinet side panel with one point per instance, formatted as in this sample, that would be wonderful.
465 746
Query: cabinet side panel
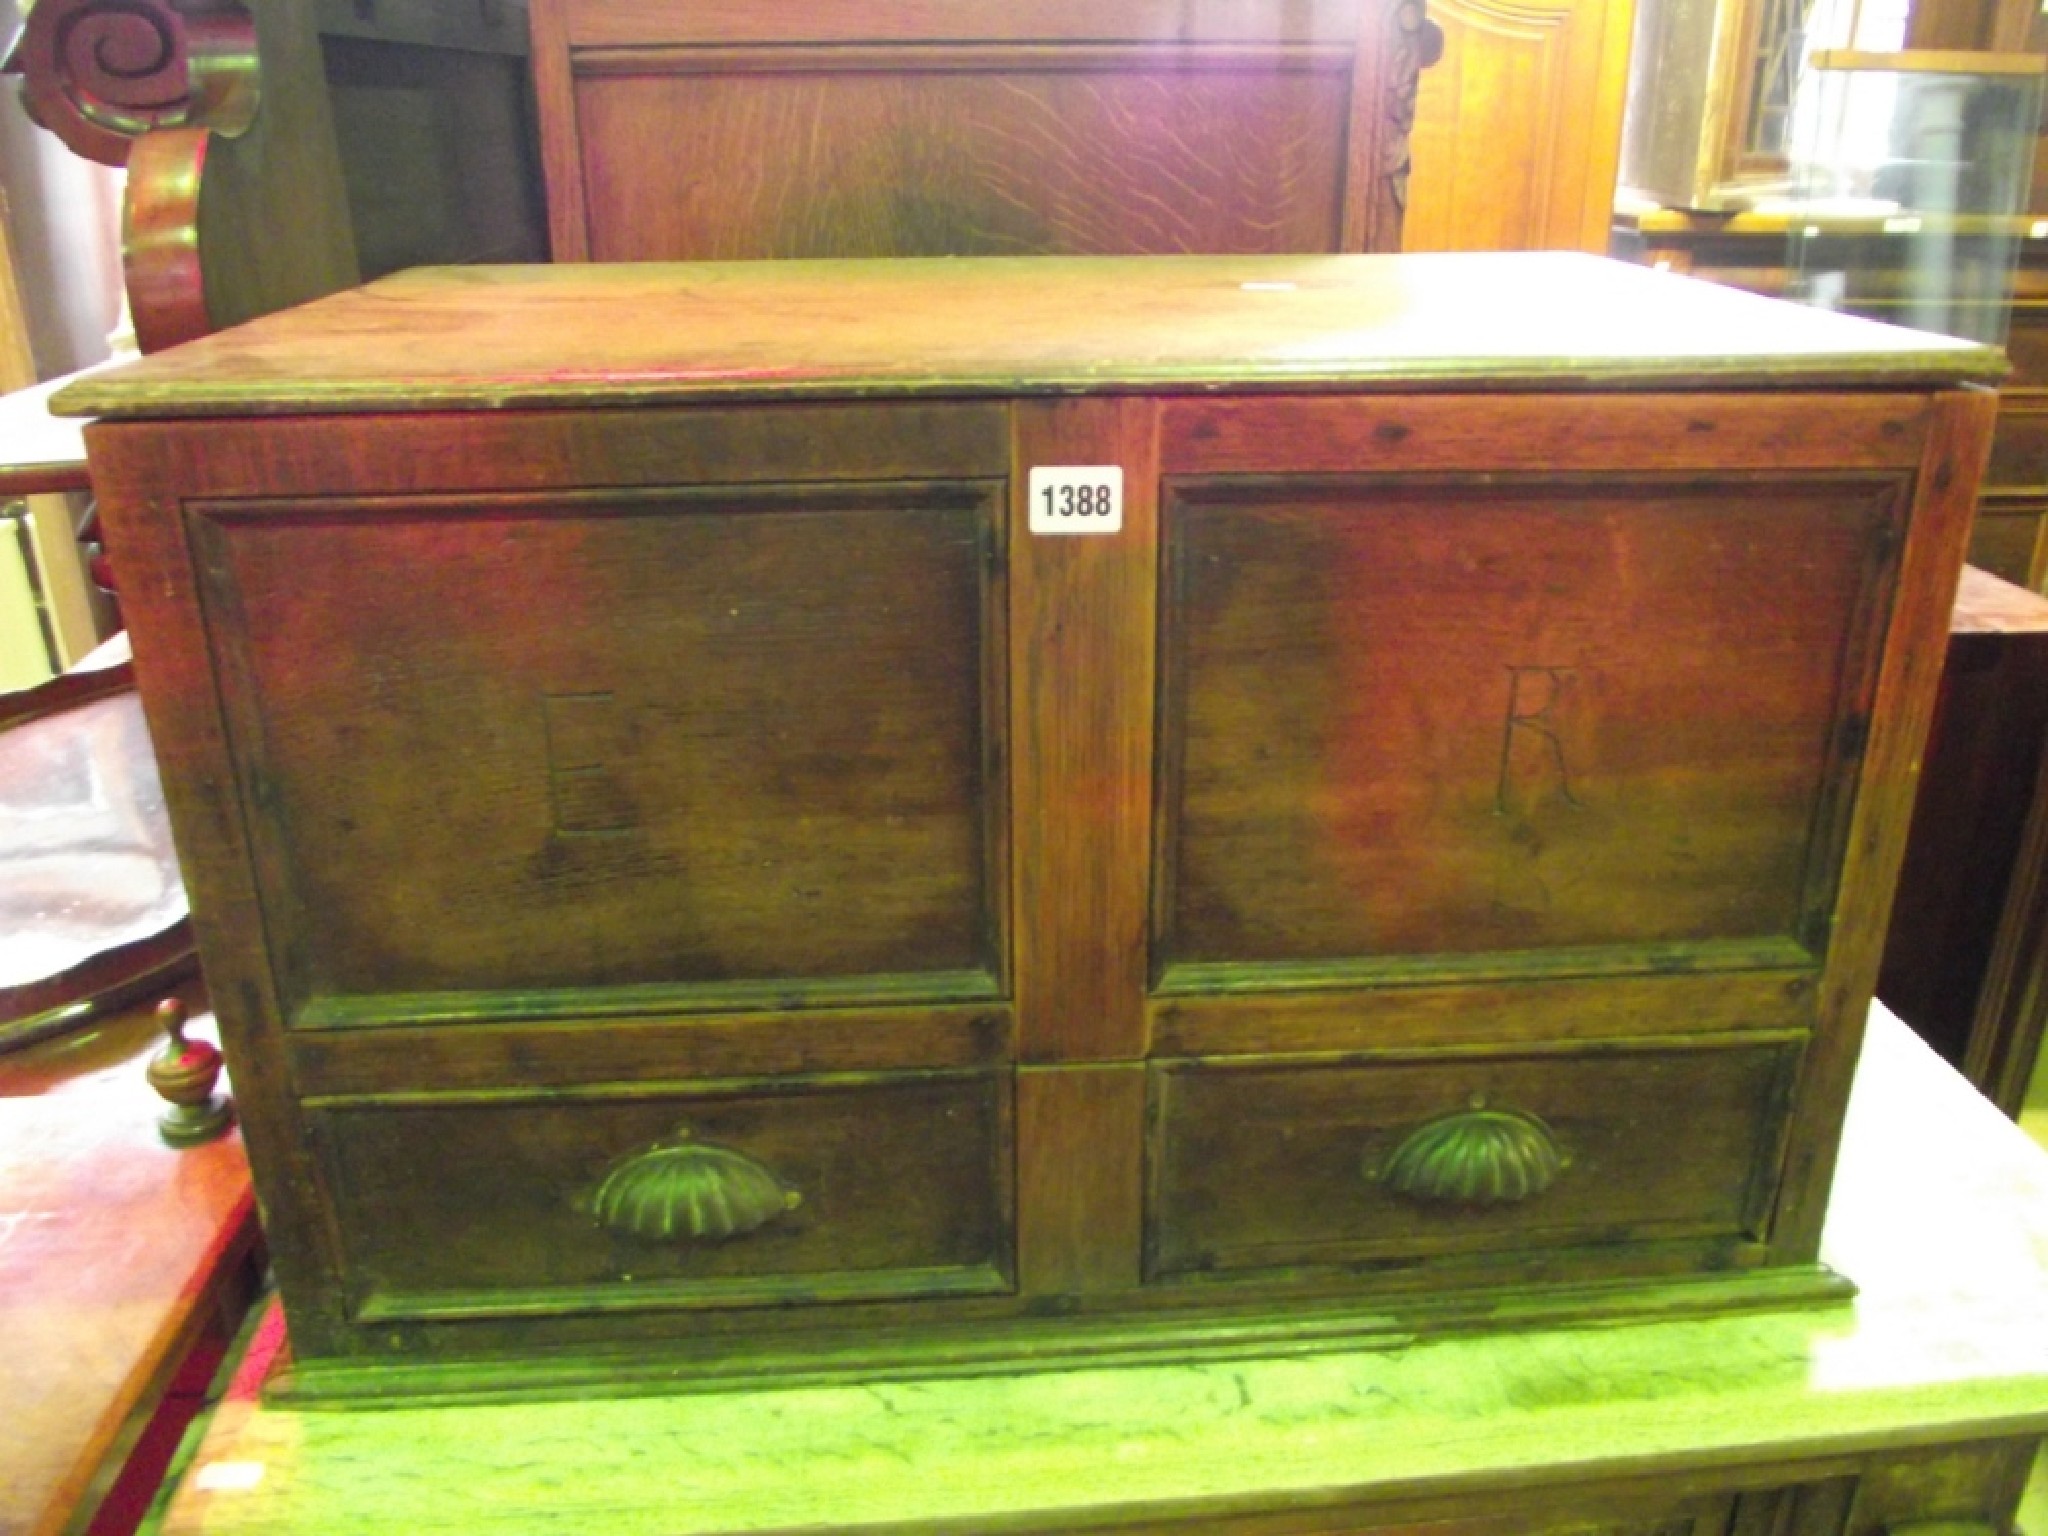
136 472
1915 647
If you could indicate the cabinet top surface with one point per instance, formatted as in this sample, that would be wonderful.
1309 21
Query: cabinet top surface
583 335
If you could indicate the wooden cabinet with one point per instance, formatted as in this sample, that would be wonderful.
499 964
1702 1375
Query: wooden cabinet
690 848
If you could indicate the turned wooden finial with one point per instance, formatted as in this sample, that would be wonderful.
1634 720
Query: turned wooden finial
184 1073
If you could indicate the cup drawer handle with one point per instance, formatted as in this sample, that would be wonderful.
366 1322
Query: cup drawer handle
1477 1156
682 1190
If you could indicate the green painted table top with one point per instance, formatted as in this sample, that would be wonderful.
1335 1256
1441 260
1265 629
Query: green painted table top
1940 1213
495 337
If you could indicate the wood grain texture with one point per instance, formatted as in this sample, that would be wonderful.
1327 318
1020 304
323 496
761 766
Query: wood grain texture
565 1053
1080 1179
506 337
412 456
681 23
1938 1213
1518 128
961 152
1902 706
561 162
1081 734
1478 1015
1675 431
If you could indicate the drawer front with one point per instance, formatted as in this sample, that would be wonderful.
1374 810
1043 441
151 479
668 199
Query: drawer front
811 1191
1260 1166
498 751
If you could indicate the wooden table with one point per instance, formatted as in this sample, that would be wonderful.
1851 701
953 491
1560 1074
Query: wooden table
117 1256
40 452
1941 1213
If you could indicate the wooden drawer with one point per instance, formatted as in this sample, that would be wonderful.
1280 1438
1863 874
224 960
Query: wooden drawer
502 1205
1260 1166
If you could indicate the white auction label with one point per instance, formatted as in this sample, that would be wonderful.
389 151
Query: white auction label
1077 498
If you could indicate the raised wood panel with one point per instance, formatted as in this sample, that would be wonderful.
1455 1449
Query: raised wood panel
615 23
1518 128
1438 716
1025 151
744 748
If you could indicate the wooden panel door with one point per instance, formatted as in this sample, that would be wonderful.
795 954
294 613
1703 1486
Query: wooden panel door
1518 128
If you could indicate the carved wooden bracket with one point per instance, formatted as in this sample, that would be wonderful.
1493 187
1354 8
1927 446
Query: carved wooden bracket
100 73
1418 43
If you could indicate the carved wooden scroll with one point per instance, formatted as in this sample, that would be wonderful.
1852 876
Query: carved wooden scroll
219 110
101 73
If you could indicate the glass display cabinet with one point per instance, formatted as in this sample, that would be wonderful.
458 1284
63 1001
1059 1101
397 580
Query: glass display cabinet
1910 174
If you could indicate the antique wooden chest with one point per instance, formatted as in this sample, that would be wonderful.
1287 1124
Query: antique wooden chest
929 815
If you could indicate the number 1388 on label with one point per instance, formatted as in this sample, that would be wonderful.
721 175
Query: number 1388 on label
1077 498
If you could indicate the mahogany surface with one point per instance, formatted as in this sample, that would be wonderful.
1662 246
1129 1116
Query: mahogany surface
532 336
624 732
117 1253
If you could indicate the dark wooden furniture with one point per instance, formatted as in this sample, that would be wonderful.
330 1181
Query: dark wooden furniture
673 130
1920 1405
680 859
1963 963
125 1267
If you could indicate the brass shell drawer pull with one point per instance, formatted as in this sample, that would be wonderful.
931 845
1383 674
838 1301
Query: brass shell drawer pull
681 1190
1478 1156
